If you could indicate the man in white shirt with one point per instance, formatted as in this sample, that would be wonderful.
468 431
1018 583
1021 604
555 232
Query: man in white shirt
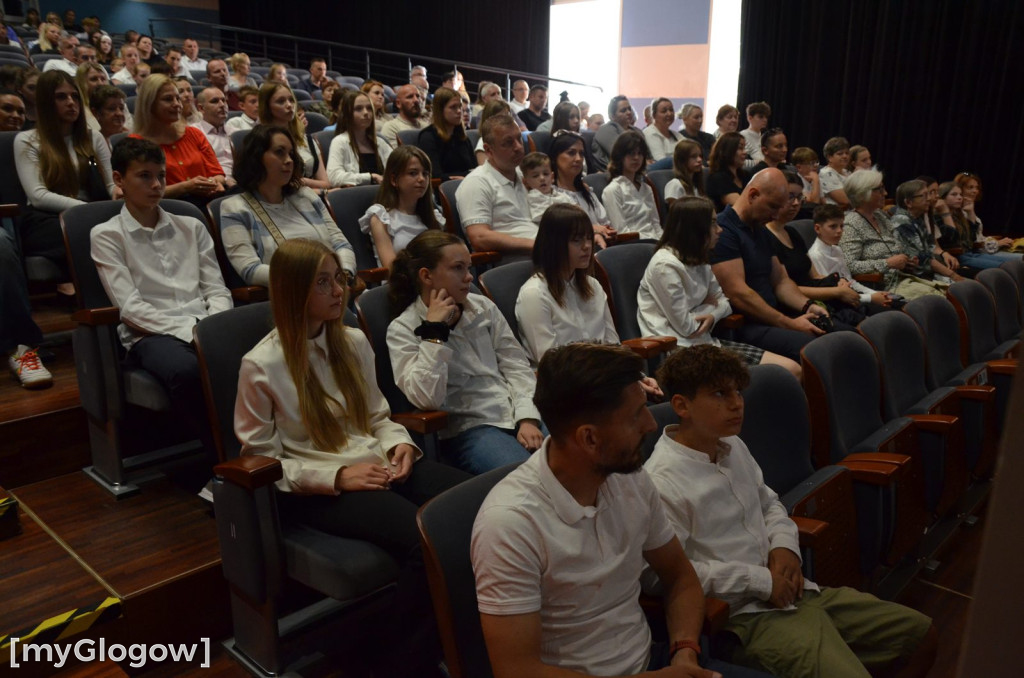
559 544
492 199
213 104
757 119
126 76
69 59
410 106
190 60
520 92
745 548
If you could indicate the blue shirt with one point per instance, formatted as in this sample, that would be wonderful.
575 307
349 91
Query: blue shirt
753 245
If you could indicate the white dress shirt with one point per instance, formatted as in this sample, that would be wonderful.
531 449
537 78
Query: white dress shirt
726 518
220 141
671 296
659 145
595 210
239 123
122 77
69 67
197 64
164 279
632 209
485 196
268 420
481 375
543 324
829 259
343 163
754 152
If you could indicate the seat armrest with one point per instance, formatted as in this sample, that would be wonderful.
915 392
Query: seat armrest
731 322
900 460
872 473
481 258
810 530
251 471
374 275
645 348
935 423
9 211
955 251
977 392
249 294
667 343
870 277
620 238
108 315
1002 366
423 422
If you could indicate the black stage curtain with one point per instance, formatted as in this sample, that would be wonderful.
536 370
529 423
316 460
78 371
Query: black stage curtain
929 86
508 35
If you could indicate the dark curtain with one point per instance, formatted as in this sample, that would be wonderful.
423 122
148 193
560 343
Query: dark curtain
507 35
929 86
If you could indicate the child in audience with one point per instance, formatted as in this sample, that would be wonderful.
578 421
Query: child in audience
249 102
159 269
679 296
405 205
540 185
357 155
628 199
453 350
827 257
744 546
806 162
688 168
837 153
308 396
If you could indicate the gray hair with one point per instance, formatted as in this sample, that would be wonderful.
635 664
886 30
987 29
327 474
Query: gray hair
858 186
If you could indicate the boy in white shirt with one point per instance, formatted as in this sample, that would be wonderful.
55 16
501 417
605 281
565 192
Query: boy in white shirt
745 548
249 102
540 185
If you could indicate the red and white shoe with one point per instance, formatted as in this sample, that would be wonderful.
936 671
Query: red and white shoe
25 363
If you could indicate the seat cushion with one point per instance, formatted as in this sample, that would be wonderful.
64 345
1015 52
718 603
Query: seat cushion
40 269
344 569
141 388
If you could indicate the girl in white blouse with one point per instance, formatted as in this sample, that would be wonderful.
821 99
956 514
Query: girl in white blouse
405 204
679 296
688 168
357 155
308 396
629 199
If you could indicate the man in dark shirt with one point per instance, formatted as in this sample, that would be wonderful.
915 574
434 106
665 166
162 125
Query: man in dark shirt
775 148
534 114
752 277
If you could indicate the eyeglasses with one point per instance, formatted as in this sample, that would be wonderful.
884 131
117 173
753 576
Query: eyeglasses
325 285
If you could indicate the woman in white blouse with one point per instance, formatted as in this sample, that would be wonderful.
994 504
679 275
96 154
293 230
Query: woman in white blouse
308 397
61 163
688 168
567 159
628 199
661 140
405 204
277 106
357 154
680 297
453 350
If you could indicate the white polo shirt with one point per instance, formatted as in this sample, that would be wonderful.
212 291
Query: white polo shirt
535 549
485 196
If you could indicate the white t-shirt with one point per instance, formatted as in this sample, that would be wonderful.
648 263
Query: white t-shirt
401 227
485 196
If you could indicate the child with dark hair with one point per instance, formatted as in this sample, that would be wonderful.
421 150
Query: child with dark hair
827 257
628 199
160 270
744 546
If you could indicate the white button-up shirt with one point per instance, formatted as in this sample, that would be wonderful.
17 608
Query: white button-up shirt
485 196
268 420
660 145
220 141
164 279
631 209
69 67
671 296
726 518
481 375
536 549
543 324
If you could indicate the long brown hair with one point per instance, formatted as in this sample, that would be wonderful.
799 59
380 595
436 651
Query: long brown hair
293 271
558 226
442 97
347 110
57 171
684 151
294 127
387 195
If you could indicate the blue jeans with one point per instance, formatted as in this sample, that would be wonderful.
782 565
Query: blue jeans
985 260
483 448
664 163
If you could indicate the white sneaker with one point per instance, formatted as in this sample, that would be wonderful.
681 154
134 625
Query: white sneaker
25 363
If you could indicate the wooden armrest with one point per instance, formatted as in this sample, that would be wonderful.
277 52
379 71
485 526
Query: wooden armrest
1002 366
984 393
645 348
435 183
871 472
732 322
620 238
810 530
109 315
250 294
955 251
868 277
479 258
667 343
252 471
374 275
716 614
9 211
935 423
900 460
423 422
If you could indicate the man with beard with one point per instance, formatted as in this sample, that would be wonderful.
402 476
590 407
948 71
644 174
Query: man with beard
409 105
559 545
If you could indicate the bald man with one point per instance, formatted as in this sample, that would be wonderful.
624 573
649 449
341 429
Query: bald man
409 106
778 315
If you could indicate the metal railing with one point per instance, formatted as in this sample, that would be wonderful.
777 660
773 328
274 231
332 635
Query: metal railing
369 62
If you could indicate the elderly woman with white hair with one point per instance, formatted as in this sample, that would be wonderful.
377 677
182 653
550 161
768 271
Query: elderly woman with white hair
869 240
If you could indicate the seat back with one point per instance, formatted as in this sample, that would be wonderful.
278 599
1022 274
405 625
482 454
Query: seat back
474 137
805 227
659 180
597 181
502 285
315 122
1004 291
1015 267
37 269
409 137
450 207
941 330
620 270
900 350
222 340
977 314
374 317
347 206
231 277
237 139
842 384
323 138
446 527
540 142
664 416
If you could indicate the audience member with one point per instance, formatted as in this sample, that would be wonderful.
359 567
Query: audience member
189 113
805 160
688 172
213 106
727 178
32 19
970 187
126 76
540 185
860 158
661 139
191 59
277 106
692 116
757 120
535 113
108 109
49 38
774 149
967 230
68 22
405 205
12 111
628 198
621 117
239 63
357 155
828 258
375 90
496 107
837 154
409 106
68 47
308 396
142 71
727 119
445 141
453 350
104 48
278 73
520 92
489 91
317 75
567 155
147 53
745 548
908 222
751 276
249 104
594 123
418 77
173 59
19 334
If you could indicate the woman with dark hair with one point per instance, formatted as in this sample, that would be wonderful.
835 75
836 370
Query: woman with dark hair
567 156
357 155
660 137
444 140
104 48
688 168
628 198
109 111
277 107
728 178
274 207
680 297
308 397
61 163
970 186
453 350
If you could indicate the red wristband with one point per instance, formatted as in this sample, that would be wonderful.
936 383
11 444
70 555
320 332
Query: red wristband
683 645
